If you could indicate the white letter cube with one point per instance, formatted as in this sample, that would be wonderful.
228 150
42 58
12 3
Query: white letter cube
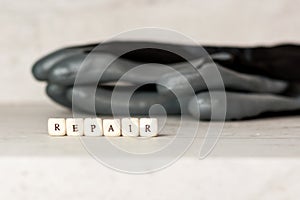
130 127
93 127
148 127
56 126
74 126
111 127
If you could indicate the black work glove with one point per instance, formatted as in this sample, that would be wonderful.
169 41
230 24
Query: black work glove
250 94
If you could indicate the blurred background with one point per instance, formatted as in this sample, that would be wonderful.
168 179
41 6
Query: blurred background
33 28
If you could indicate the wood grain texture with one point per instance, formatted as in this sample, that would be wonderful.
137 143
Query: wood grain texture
256 159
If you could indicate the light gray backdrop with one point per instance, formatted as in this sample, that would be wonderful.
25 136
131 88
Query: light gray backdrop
32 28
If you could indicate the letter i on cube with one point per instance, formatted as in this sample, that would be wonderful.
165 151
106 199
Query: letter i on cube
130 127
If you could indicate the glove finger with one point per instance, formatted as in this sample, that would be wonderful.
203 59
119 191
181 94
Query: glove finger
152 52
208 76
42 67
250 83
140 102
58 94
66 71
146 52
239 105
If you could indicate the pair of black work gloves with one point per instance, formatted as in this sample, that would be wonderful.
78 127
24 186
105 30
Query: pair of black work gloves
257 80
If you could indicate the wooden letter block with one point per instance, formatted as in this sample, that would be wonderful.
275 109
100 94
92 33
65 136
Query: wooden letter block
130 127
93 127
74 126
111 127
56 126
148 127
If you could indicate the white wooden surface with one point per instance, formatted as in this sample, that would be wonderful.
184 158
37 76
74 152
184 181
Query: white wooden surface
257 159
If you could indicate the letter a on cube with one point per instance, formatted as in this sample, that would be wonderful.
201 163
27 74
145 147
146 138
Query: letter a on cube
112 127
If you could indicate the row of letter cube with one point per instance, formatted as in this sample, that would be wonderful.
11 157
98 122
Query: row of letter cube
145 127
